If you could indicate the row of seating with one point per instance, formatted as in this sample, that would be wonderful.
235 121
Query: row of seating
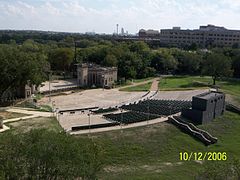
159 107
130 117
101 110
94 126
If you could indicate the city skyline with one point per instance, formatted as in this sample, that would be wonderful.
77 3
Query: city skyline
101 16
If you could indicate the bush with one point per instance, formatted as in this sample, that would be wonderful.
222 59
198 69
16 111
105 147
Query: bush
41 154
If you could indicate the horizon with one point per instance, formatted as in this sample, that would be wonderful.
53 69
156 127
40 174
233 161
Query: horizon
101 16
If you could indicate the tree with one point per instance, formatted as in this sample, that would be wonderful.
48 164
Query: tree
163 61
188 62
17 67
61 59
110 60
217 65
236 63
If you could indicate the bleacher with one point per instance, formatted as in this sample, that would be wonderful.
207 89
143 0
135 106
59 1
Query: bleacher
94 126
106 110
130 117
158 107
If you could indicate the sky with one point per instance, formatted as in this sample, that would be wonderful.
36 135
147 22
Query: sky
101 16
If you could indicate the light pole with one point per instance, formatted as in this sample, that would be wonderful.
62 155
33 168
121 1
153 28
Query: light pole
103 77
121 119
89 123
49 86
53 105
148 112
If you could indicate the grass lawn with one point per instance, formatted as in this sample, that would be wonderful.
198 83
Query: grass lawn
152 152
142 87
184 83
49 123
142 80
9 115
195 82
129 82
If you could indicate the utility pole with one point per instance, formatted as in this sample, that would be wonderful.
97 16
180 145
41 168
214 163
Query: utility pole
148 112
49 86
89 123
121 119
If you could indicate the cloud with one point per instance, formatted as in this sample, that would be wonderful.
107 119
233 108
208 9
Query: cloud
103 15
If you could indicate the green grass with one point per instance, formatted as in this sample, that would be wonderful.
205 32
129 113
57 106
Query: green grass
142 87
152 152
184 83
231 87
196 82
9 115
49 123
142 80
129 82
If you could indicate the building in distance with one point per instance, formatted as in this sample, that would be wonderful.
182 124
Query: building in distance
92 75
203 37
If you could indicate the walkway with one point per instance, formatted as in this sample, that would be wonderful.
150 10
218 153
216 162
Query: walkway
138 83
31 113
139 124
154 86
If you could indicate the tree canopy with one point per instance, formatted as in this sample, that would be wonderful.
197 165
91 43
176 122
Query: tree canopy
217 65
18 65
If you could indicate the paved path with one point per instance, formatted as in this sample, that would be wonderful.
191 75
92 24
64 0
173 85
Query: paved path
145 123
154 86
138 83
32 114
139 124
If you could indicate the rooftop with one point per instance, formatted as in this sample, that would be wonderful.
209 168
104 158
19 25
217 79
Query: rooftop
209 95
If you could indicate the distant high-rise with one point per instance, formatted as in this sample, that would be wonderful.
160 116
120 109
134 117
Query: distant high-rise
122 31
117 29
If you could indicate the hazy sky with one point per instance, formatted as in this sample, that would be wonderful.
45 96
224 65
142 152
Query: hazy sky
103 15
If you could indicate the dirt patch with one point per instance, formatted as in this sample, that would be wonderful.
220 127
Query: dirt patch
121 168
34 123
146 167
10 115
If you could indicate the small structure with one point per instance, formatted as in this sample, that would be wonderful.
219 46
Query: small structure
27 90
89 75
206 107
22 91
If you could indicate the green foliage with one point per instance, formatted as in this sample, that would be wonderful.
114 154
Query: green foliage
163 61
142 87
61 58
236 64
217 65
18 65
189 62
221 170
41 154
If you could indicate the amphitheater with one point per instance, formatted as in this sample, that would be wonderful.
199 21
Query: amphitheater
99 110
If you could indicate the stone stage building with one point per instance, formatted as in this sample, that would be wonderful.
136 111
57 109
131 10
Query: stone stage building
206 107
89 75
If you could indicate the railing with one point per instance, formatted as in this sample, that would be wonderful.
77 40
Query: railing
202 135
232 108
205 133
